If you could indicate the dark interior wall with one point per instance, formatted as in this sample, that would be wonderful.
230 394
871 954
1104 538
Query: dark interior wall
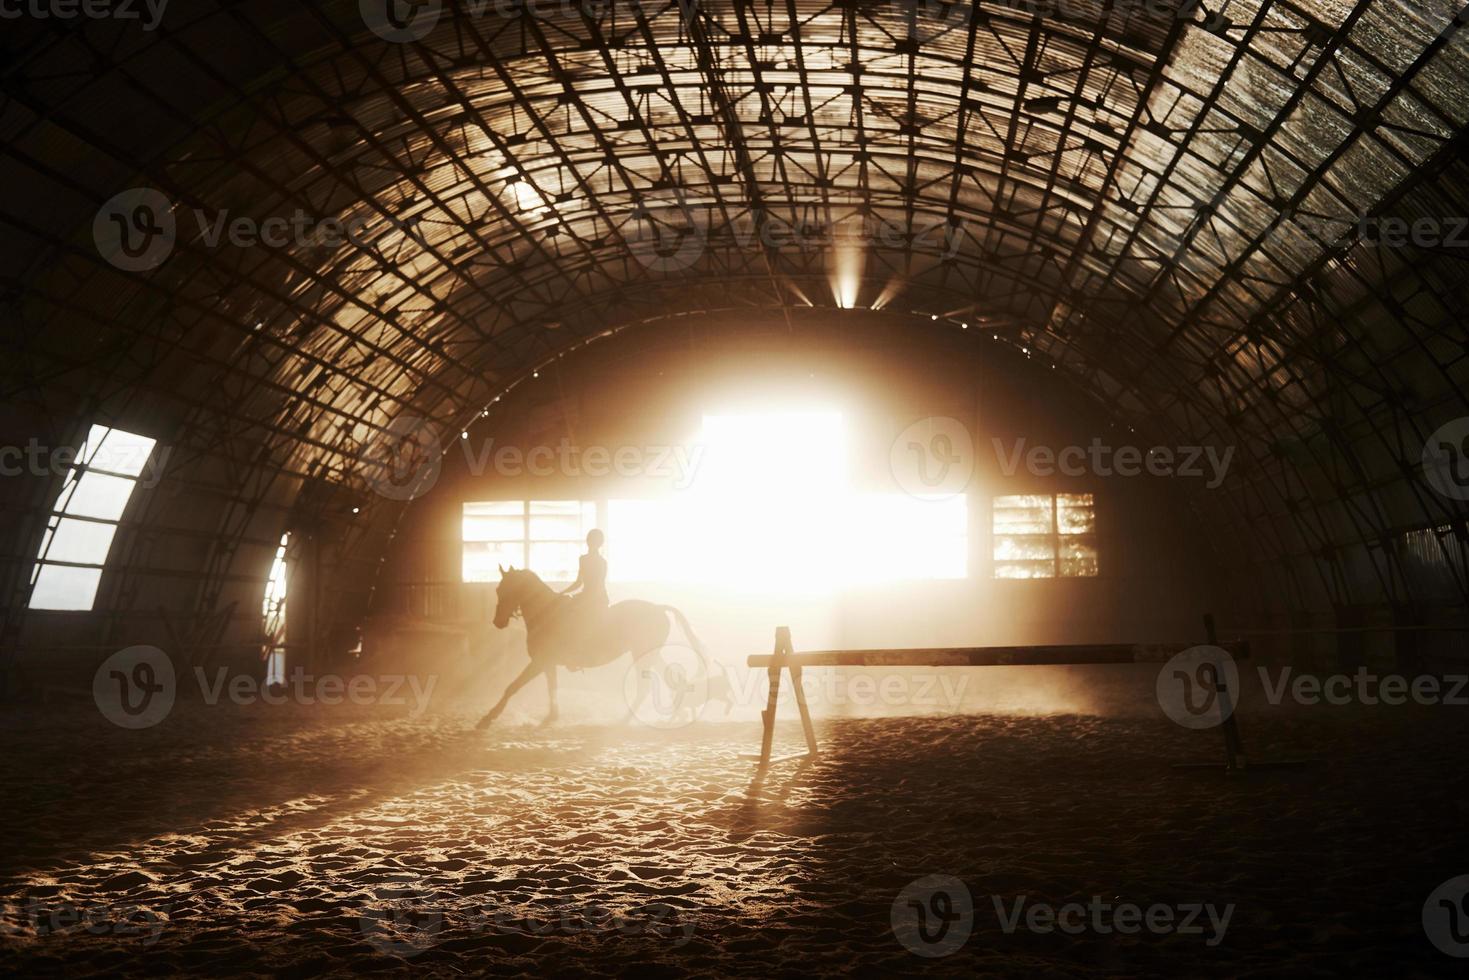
1157 574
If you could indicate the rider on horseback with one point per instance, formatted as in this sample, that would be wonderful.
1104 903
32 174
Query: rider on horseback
591 579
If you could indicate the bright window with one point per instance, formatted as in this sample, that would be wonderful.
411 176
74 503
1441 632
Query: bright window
546 536
772 509
273 609
1045 535
80 531
839 539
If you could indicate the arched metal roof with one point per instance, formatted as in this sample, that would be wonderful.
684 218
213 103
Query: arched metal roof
1183 207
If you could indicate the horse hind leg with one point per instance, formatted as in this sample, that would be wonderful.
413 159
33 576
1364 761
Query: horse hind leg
524 678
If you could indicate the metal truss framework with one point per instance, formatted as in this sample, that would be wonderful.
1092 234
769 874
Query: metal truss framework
1167 202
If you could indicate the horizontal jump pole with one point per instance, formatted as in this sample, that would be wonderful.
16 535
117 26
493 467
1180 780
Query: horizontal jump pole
1080 653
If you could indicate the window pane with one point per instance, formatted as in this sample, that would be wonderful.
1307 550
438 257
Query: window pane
121 452
1075 513
99 496
555 561
561 520
565 527
482 559
1025 569
1078 556
1010 547
906 537
1023 514
494 508
273 607
494 520
90 446
81 541
652 540
62 587
570 508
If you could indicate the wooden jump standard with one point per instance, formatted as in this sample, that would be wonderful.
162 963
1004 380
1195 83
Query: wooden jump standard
785 658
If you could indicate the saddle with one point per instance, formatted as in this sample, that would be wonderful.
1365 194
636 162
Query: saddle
580 620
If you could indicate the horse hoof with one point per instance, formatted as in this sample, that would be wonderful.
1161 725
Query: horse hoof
484 723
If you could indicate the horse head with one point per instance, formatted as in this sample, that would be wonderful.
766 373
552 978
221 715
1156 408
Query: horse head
507 596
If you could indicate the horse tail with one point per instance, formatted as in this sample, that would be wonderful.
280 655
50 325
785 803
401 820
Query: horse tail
719 687
688 631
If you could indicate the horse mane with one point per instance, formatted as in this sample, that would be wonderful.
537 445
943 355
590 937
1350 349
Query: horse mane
535 585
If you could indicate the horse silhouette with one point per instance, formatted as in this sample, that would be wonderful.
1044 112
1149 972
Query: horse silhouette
562 633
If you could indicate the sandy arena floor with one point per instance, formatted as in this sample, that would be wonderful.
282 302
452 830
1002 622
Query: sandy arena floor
296 843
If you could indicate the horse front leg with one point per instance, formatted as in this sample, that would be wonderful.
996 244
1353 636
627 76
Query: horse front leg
531 670
553 714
